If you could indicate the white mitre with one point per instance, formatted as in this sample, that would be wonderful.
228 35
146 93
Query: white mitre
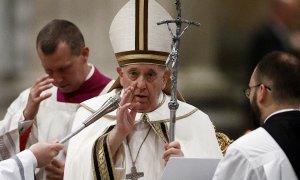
136 38
135 35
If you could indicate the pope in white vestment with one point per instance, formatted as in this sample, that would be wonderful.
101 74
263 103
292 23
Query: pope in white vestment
132 142
194 131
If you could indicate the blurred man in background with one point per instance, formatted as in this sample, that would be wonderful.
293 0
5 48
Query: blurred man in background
277 33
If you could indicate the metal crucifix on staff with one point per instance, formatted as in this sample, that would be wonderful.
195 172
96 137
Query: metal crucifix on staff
173 63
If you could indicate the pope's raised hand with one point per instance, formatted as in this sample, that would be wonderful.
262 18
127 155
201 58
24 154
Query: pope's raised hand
126 113
36 97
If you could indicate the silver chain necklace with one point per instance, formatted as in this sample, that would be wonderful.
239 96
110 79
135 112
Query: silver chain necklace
134 175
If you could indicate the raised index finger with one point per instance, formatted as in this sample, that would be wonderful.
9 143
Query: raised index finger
128 95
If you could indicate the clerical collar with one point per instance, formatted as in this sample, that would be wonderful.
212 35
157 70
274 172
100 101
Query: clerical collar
91 72
280 111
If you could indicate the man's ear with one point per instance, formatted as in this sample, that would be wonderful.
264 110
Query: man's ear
121 74
119 70
262 93
166 77
85 53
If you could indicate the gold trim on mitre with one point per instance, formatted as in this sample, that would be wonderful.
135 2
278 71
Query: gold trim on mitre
149 57
141 33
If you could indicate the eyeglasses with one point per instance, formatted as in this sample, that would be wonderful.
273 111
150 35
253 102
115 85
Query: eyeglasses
248 90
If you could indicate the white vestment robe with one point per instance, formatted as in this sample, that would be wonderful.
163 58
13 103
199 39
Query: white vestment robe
9 135
44 128
18 167
255 156
194 131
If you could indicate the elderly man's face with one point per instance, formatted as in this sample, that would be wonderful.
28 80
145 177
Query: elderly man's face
151 80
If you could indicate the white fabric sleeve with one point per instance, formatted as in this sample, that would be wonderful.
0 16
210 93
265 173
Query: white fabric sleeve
9 127
19 167
119 163
24 125
235 166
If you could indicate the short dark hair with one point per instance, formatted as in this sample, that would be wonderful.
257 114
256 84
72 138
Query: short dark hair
282 70
58 31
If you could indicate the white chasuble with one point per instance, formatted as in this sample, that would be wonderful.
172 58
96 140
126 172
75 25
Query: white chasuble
89 154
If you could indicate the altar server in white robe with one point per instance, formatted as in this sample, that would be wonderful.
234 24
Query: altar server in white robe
45 112
132 141
271 152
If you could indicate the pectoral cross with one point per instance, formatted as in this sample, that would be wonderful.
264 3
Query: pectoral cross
134 175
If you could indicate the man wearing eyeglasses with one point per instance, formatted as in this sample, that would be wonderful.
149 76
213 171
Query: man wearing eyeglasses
270 151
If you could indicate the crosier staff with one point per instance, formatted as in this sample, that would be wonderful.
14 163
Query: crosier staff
172 63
